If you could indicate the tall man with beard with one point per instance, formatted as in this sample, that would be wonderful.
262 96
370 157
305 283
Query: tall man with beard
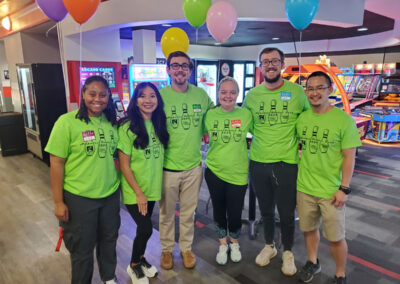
275 106
184 105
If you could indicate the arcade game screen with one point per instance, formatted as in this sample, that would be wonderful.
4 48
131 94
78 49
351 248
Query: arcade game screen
105 72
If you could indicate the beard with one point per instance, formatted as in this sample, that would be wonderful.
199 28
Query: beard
272 80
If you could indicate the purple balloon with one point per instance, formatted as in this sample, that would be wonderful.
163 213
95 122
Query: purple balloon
54 9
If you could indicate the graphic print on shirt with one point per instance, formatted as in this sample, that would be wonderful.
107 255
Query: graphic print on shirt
185 117
174 118
303 139
273 116
232 129
314 144
102 149
226 133
196 114
278 113
214 132
153 149
102 146
261 113
191 116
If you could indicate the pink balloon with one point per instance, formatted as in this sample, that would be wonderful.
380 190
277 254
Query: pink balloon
221 20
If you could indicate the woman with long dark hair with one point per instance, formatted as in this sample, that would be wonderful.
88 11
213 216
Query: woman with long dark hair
143 138
85 183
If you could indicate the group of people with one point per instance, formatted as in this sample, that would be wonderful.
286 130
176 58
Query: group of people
158 145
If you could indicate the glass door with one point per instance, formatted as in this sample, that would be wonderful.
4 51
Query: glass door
27 98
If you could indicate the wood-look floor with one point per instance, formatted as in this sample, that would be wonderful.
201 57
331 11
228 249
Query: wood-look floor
29 232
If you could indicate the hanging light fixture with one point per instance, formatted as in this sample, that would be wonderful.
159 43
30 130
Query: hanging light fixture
6 23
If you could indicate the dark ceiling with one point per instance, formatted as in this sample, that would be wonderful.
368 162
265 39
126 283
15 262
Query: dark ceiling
257 32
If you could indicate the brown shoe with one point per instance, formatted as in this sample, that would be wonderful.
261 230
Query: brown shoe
189 259
166 260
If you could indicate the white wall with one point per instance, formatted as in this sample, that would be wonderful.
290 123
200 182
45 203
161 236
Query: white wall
14 55
96 46
37 48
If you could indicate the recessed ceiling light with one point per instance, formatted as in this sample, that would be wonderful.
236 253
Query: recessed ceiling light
275 38
362 29
217 43
166 25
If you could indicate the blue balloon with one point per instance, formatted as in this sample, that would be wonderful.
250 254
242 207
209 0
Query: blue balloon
301 12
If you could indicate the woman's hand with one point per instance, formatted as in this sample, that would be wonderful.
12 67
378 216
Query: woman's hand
142 203
61 211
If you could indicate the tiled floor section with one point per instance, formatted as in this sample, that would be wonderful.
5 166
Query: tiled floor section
29 232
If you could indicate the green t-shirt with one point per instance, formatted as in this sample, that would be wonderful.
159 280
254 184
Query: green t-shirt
146 164
227 157
184 113
323 136
89 169
274 117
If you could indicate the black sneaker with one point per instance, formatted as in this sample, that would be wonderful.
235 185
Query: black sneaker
148 269
340 280
309 270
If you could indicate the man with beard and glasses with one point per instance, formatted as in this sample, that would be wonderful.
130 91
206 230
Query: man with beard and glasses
184 105
275 106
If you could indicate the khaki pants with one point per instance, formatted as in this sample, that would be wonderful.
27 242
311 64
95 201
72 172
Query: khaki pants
183 186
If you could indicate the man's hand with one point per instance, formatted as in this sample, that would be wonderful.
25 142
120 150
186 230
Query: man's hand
339 199
61 211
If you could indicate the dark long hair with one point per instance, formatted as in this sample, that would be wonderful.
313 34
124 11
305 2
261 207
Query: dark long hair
135 117
109 111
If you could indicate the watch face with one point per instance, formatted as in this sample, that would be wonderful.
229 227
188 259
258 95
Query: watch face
345 190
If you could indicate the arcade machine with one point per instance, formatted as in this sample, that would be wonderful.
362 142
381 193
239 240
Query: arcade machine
385 114
346 77
111 71
43 100
154 73
207 77
364 86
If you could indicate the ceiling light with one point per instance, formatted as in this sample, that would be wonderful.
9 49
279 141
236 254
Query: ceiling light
6 23
362 29
275 38
217 43
166 25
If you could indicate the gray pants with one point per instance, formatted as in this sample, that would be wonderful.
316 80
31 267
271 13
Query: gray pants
93 223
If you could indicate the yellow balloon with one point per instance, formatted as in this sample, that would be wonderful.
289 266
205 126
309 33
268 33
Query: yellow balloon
174 39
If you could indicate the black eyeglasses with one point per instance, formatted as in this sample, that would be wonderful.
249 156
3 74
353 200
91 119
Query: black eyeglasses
319 89
273 62
176 66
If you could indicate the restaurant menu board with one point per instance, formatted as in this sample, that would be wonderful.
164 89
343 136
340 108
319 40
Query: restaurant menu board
105 72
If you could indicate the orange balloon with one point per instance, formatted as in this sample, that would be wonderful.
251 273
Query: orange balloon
81 10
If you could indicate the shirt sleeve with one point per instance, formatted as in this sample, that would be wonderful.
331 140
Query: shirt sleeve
60 139
126 138
350 136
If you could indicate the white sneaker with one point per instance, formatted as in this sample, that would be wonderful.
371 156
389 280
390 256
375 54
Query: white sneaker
222 255
288 266
137 275
236 255
148 269
265 255
112 281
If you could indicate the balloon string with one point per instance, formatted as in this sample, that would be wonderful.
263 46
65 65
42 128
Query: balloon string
47 33
197 34
80 62
297 55
300 58
63 66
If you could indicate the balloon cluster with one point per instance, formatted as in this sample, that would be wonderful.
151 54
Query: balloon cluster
80 10
221 18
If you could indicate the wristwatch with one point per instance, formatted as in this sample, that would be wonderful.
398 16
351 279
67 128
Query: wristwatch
345 189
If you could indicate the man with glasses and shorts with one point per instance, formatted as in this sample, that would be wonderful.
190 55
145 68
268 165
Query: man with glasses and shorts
184 105
275 106
329 138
